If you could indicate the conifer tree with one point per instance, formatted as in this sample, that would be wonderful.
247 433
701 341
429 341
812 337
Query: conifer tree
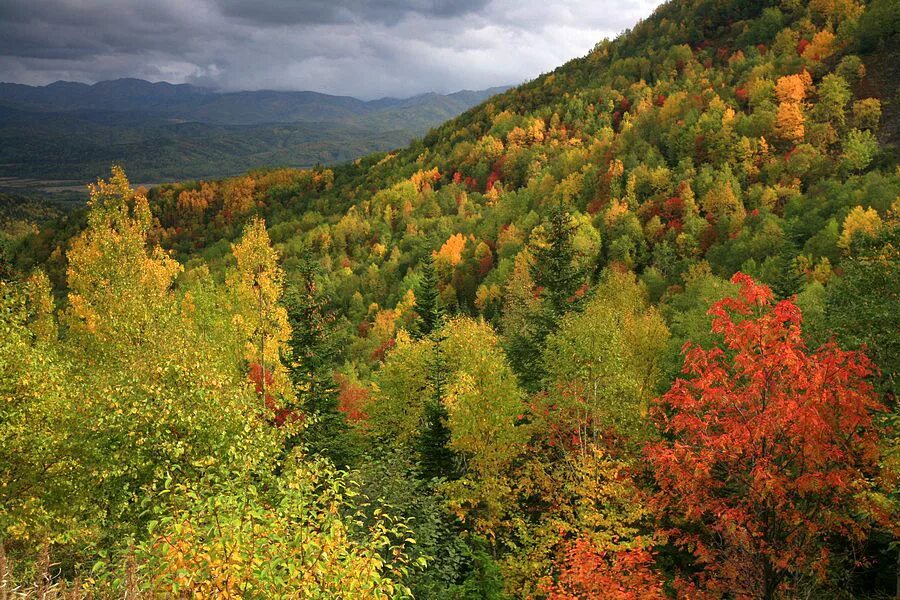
438 459
428 306
558 280
313 356
554 269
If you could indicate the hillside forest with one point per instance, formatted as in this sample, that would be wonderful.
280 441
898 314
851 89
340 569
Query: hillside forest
628 331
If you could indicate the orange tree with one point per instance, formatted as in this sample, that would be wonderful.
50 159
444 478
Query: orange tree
767 449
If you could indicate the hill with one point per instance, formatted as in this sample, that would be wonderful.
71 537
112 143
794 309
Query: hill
161 131
628 330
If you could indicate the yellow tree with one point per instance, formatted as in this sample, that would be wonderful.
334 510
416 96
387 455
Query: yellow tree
256 284
484 403
860 221
117 288
791 91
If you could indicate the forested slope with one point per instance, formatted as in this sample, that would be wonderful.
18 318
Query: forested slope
629 330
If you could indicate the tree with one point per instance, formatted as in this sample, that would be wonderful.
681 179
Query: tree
145 383
860 221
834 94
791 91
866 293
860 147
256 283
428 309
768 448
603 364
312 363
559 282
521 309
437 458
555 270
485 434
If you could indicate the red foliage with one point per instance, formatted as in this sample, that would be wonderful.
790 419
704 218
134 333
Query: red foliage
762 49
801 46
493 178
595 206
625 104
352 399
672 209
661 99
280 414
457 177
590 573
485 264
742 95
766 448
380 352
709 236
258 374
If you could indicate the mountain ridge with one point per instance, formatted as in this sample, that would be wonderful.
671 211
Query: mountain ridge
163 131
189 102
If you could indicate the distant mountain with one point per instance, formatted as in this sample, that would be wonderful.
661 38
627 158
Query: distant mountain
185 102
164 131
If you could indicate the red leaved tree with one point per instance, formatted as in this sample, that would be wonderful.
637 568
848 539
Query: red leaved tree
767 448
589 573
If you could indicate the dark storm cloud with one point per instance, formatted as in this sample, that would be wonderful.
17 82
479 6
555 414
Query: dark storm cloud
356 47
338 11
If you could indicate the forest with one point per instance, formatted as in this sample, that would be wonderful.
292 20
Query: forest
628 331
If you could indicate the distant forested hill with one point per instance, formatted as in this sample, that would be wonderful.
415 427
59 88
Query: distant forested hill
160 131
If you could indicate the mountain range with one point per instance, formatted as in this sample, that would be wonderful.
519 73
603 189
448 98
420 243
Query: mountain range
162 131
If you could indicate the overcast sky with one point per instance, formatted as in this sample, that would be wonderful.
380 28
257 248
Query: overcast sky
363 48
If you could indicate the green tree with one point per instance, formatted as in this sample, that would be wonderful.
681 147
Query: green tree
438 460
428 304
313 355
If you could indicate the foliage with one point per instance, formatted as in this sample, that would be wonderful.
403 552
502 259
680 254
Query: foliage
770 448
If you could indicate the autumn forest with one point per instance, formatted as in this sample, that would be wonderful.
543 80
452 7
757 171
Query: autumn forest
628 331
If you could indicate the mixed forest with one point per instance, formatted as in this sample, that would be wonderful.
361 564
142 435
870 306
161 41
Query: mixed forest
628 331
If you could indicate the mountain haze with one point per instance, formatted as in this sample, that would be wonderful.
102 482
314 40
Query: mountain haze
162 131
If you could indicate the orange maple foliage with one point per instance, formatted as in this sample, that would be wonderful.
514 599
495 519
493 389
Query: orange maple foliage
767 448
591 573
452 249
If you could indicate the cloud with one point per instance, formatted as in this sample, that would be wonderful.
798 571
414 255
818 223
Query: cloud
310 12
364 48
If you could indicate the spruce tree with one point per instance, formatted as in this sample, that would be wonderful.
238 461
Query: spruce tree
313 357
554 269
556 274
436 457
428 306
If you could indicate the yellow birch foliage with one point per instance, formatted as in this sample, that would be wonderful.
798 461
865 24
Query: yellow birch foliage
116 286
791 92
863 220
256 284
